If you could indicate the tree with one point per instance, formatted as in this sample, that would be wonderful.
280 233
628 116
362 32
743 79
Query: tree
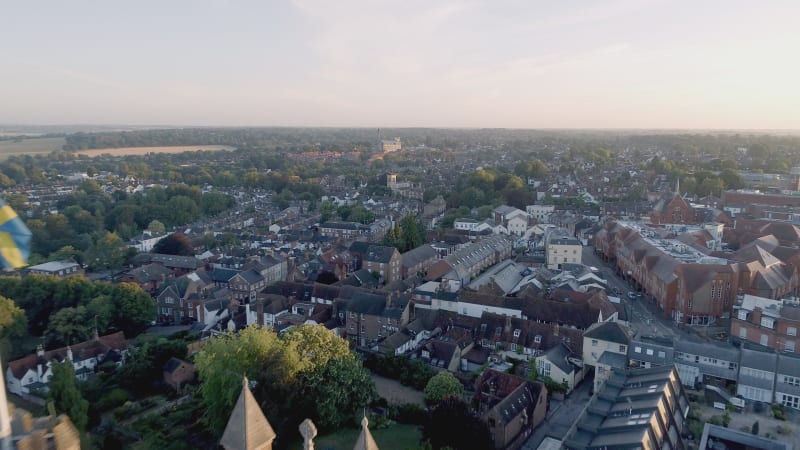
134 309
107 253
336 391
156 227
307 371
66 397
454 414
69 326
326 210
315 345
174 244
755 428
181 210
143 365
441 386
212 203
222 363
13 326
66 253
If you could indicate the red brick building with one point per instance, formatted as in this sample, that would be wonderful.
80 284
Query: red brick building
767 322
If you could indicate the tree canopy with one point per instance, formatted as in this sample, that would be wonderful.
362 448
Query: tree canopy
443 385
64 393
174 244
308 372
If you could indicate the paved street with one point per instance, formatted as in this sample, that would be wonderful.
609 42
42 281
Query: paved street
561 416
642 319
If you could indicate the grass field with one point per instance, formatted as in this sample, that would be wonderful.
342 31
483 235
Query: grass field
145 150
29 146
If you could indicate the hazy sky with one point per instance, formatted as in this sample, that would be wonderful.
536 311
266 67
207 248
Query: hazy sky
495 63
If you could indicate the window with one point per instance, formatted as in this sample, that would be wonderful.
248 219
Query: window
791 331
637 349
594 342
649 352
764 340
623 348
538 339
662 354
743 333
788 346
794 381
767 322
517 332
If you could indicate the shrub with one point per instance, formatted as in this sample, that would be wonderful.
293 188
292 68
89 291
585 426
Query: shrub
410 413
777 412
754 429
112 399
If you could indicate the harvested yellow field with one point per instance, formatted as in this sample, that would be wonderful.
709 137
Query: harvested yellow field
125 151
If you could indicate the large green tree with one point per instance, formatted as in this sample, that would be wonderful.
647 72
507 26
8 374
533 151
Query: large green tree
174 244
441 386
68 326
308 371
222 363
13 326
64 393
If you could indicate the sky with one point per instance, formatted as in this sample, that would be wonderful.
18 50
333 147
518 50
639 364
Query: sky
672 64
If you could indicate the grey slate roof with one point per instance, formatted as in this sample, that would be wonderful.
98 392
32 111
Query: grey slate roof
614 360
418 255
379 254
610 332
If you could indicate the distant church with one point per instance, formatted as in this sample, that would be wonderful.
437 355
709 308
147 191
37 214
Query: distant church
673 208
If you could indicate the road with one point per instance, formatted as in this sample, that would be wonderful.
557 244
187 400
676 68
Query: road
561 416
642 319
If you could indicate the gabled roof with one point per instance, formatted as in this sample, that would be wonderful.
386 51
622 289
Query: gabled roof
84 350
379 253
247 427
181 262
418 255
609 332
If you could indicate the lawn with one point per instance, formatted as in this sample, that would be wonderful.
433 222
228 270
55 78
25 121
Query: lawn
30 146
396 437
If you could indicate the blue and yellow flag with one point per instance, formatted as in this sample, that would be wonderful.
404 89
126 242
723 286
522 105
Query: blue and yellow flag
15 239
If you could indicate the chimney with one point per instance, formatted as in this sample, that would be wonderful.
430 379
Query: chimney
755 317
69 353
555 329
389 300
260 312
40 350
507 328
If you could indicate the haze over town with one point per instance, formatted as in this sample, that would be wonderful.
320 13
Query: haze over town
517 64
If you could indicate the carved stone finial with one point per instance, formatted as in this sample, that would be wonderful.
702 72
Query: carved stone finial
309 431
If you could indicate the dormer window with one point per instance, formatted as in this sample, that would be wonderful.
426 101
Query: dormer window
767 322
517 332
538 339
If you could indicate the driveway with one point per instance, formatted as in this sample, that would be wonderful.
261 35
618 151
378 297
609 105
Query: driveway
395 393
